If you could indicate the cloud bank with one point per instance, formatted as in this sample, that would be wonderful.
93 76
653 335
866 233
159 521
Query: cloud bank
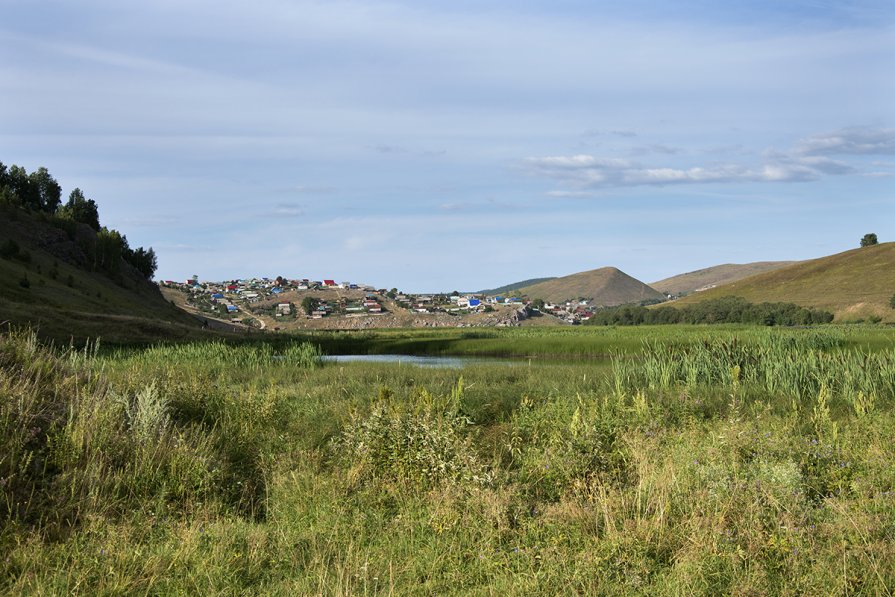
811 159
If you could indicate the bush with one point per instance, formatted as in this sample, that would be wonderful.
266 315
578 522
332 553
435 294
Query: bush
9 249
24 282
424 449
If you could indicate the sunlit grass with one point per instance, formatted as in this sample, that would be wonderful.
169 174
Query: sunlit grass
693 461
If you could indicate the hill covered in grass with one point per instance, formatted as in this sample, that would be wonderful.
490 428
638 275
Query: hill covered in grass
70 278
607 286
854 285
515 286
715 276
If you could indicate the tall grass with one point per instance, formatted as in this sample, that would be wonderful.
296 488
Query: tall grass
690 465
800 367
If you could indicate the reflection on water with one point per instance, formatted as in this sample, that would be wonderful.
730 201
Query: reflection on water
418 361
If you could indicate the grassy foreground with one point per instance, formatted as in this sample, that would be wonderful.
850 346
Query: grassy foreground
750 461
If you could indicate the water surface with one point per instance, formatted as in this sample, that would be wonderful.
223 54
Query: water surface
445 362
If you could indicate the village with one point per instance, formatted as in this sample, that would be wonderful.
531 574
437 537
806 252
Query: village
280 303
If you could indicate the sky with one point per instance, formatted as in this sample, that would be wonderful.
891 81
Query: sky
437 146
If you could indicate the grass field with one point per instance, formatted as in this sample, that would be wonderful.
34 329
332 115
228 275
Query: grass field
855 285
688 460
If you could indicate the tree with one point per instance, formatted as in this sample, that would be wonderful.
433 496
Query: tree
47 190
111 247
869 239
144 261
309 304
21 188
37 191
80 209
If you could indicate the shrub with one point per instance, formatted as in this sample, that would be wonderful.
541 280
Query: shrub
421 448
9 249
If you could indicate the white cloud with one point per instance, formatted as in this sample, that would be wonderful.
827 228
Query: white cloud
804 163
590 172
854 140
288 210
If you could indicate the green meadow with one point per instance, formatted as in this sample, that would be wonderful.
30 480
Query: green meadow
660 460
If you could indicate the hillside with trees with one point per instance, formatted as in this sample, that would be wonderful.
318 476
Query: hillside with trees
65 273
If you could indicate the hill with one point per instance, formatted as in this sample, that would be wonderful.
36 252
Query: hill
47 281
853 285
607 286
515 286
718 275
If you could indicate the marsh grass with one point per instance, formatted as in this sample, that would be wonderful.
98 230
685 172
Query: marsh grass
748 462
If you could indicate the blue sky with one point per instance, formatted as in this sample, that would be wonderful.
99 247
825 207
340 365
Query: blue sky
460 145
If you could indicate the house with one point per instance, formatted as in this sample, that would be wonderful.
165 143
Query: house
374 308
284 309
474 302
232 309
329 283
217 296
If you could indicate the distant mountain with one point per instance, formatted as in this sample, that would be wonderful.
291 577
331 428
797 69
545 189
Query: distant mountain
709 277
607 286
515 286
853 285
48 281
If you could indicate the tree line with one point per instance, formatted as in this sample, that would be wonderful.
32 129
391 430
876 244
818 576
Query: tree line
729 309
38 192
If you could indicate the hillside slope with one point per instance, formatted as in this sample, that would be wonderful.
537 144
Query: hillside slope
48 284
853 285
607 286
508 288
715 276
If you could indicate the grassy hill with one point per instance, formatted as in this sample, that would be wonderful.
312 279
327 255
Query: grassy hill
515 286
715 276
853 285
48 284
607 286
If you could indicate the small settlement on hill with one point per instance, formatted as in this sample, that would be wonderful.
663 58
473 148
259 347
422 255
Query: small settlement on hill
279 303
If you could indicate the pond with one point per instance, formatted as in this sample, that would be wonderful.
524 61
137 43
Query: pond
441 362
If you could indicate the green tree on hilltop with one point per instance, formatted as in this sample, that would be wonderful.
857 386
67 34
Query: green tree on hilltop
869 240
80 209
